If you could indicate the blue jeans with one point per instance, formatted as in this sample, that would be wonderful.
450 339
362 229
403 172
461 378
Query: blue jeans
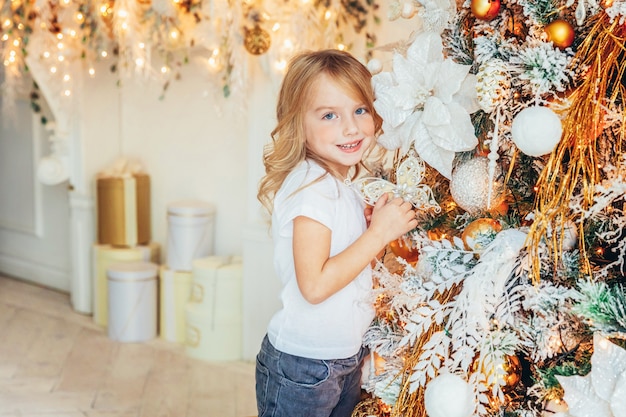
292 386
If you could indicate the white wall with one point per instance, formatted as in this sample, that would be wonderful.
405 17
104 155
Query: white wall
191 145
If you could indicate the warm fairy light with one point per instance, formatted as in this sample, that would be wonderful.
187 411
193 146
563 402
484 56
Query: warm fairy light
46 54
66 77
164 69
59 36
142 45
80 17
67 93
104 9
281 65
53 70
72 33
174 34
124 26
276 27
7 23
104 54
140 62
20 26
60 45
5 37
328 14
92 72
61 58
66 2
535 188
341 46
600 251
16 42
123 14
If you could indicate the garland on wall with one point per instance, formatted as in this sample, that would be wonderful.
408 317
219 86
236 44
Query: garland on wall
156 38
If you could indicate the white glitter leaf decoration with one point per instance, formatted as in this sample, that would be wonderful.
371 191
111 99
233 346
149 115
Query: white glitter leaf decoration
409 175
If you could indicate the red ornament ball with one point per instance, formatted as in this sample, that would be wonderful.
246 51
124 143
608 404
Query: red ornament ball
560 33
485 9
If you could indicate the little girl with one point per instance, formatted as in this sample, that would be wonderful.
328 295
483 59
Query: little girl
309 363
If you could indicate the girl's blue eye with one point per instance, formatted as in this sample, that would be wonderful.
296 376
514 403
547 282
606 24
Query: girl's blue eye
361 110
328 116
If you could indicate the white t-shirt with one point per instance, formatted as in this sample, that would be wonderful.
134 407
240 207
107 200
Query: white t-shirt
332 329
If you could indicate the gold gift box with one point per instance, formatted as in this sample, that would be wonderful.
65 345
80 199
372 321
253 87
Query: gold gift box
124 210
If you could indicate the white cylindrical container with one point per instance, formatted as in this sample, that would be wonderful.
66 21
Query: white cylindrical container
190 233
132 288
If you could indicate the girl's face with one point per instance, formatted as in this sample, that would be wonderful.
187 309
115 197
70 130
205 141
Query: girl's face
338 128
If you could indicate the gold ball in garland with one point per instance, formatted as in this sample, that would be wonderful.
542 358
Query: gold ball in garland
480 233
485 9
406 249
256 40
560 33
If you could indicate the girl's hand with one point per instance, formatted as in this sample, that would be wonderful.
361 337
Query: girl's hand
392 218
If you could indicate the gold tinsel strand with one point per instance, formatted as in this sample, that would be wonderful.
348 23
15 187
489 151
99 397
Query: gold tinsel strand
573 166
411 404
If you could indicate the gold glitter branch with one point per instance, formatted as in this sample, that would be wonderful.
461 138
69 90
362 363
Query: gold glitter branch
574 164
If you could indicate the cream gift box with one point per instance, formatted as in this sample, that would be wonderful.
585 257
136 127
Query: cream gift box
132 304
123 209
190 230
174 293
106 255
214 313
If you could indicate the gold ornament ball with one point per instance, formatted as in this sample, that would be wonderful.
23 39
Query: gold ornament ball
560 33
256 41
513 369
480 233
406 249
485 9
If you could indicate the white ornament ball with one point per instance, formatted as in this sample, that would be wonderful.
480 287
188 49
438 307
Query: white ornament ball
536 130
374 66
448 395
570 235
408 10
469 186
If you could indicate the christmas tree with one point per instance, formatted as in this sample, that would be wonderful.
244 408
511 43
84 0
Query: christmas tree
506 119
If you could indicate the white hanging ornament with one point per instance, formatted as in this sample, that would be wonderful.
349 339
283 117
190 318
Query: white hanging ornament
375 66
492 84
536 130
448 395
470 186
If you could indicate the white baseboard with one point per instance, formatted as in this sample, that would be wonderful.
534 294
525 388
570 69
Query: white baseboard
28 270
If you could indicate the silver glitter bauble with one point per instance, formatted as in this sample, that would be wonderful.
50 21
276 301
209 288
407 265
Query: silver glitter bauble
469 186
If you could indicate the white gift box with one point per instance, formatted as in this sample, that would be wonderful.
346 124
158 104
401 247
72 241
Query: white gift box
190 233
132 301
214 313
174 293
106 255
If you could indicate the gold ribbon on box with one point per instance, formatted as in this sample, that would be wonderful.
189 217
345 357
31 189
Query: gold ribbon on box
123 205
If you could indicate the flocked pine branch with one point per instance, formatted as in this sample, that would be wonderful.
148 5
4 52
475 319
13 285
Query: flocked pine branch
602 306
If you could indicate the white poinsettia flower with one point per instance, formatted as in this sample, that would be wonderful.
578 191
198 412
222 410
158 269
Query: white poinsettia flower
426 101
602 392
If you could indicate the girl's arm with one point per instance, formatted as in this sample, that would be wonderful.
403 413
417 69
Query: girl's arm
318 274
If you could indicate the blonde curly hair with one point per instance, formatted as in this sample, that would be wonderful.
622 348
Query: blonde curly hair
288 146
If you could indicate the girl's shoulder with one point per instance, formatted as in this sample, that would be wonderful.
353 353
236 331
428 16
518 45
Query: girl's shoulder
309 174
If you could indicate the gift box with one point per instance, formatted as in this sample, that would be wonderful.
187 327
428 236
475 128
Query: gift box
190 230
214 313
132 301
123 209
106 255
174 294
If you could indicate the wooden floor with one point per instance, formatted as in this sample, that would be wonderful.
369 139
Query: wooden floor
57 363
